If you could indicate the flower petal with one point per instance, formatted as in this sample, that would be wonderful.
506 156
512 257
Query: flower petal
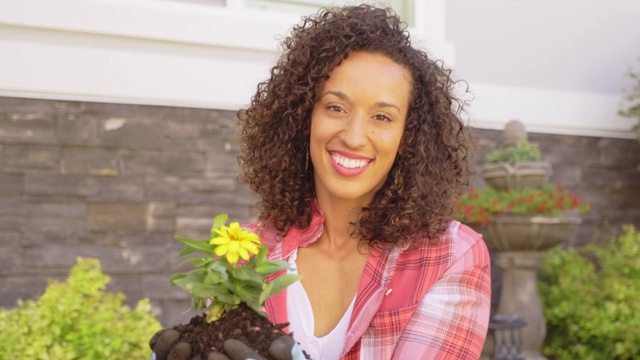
235 227
251 247
232 257
234 245
219 240
244 254
220 250
251 237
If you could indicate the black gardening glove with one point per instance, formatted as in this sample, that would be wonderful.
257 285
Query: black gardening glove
165 346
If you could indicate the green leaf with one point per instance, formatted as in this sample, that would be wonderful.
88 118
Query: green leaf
213 277
220 268
270 267
266 290
202 246
218 221
281 282
249 295
227 296
246 274
174 277
217 291
262 254
185 251
197 262
192 277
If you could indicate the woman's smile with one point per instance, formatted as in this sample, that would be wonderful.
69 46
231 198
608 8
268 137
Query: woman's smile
349 165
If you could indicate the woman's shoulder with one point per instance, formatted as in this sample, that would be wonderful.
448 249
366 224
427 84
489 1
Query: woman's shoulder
462 237
457 240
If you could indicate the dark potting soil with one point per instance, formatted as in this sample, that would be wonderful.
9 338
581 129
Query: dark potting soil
241 323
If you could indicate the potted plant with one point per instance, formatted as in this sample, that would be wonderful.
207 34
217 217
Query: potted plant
515 166
520 215
230 284
518 225
522 219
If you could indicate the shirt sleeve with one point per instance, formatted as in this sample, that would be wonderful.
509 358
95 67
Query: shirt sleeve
452 318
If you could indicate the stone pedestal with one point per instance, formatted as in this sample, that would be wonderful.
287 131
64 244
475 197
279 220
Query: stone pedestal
519 297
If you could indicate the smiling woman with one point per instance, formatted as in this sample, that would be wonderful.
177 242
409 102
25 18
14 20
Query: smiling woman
357 151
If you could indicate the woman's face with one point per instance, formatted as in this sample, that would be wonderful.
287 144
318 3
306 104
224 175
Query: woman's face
357 125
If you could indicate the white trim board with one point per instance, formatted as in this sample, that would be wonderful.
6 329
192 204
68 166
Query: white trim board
548 111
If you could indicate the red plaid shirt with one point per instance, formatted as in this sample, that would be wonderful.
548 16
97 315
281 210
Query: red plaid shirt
431 302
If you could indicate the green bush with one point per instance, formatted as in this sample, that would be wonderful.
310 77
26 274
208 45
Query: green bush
590 300
523 151
77 320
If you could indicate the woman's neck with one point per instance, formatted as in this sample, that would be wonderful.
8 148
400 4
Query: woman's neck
339 215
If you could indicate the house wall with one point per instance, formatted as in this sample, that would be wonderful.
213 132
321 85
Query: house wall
557 66
117 181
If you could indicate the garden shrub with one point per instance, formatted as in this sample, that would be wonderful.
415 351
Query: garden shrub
523 151
77 320
590 300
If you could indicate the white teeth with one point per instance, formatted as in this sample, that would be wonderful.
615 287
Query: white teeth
349 163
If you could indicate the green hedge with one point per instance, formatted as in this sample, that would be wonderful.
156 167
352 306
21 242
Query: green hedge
77 320
590 299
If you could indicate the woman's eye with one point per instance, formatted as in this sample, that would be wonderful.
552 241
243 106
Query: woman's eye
382 117
335 108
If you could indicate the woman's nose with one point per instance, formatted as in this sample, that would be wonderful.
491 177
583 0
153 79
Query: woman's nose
355 132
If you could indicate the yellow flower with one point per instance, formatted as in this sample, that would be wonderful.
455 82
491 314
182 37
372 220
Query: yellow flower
235 242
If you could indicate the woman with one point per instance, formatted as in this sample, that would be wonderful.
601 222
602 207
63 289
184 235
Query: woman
357 151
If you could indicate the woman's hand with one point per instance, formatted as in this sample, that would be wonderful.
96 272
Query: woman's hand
165 346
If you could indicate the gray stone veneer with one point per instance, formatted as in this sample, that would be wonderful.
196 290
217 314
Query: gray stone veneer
116 182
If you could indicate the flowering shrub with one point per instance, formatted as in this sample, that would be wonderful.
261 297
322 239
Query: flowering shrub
220 283
479 206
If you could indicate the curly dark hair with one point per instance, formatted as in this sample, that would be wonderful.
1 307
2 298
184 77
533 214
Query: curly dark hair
431 169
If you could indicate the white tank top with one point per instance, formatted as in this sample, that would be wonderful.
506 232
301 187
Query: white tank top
301 322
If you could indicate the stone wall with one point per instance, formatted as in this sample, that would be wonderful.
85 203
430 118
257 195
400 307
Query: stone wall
116 182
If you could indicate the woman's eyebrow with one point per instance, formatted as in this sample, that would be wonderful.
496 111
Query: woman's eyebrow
343 96
386 104
338 94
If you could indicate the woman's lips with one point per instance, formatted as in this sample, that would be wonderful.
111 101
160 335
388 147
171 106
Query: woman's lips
349 165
